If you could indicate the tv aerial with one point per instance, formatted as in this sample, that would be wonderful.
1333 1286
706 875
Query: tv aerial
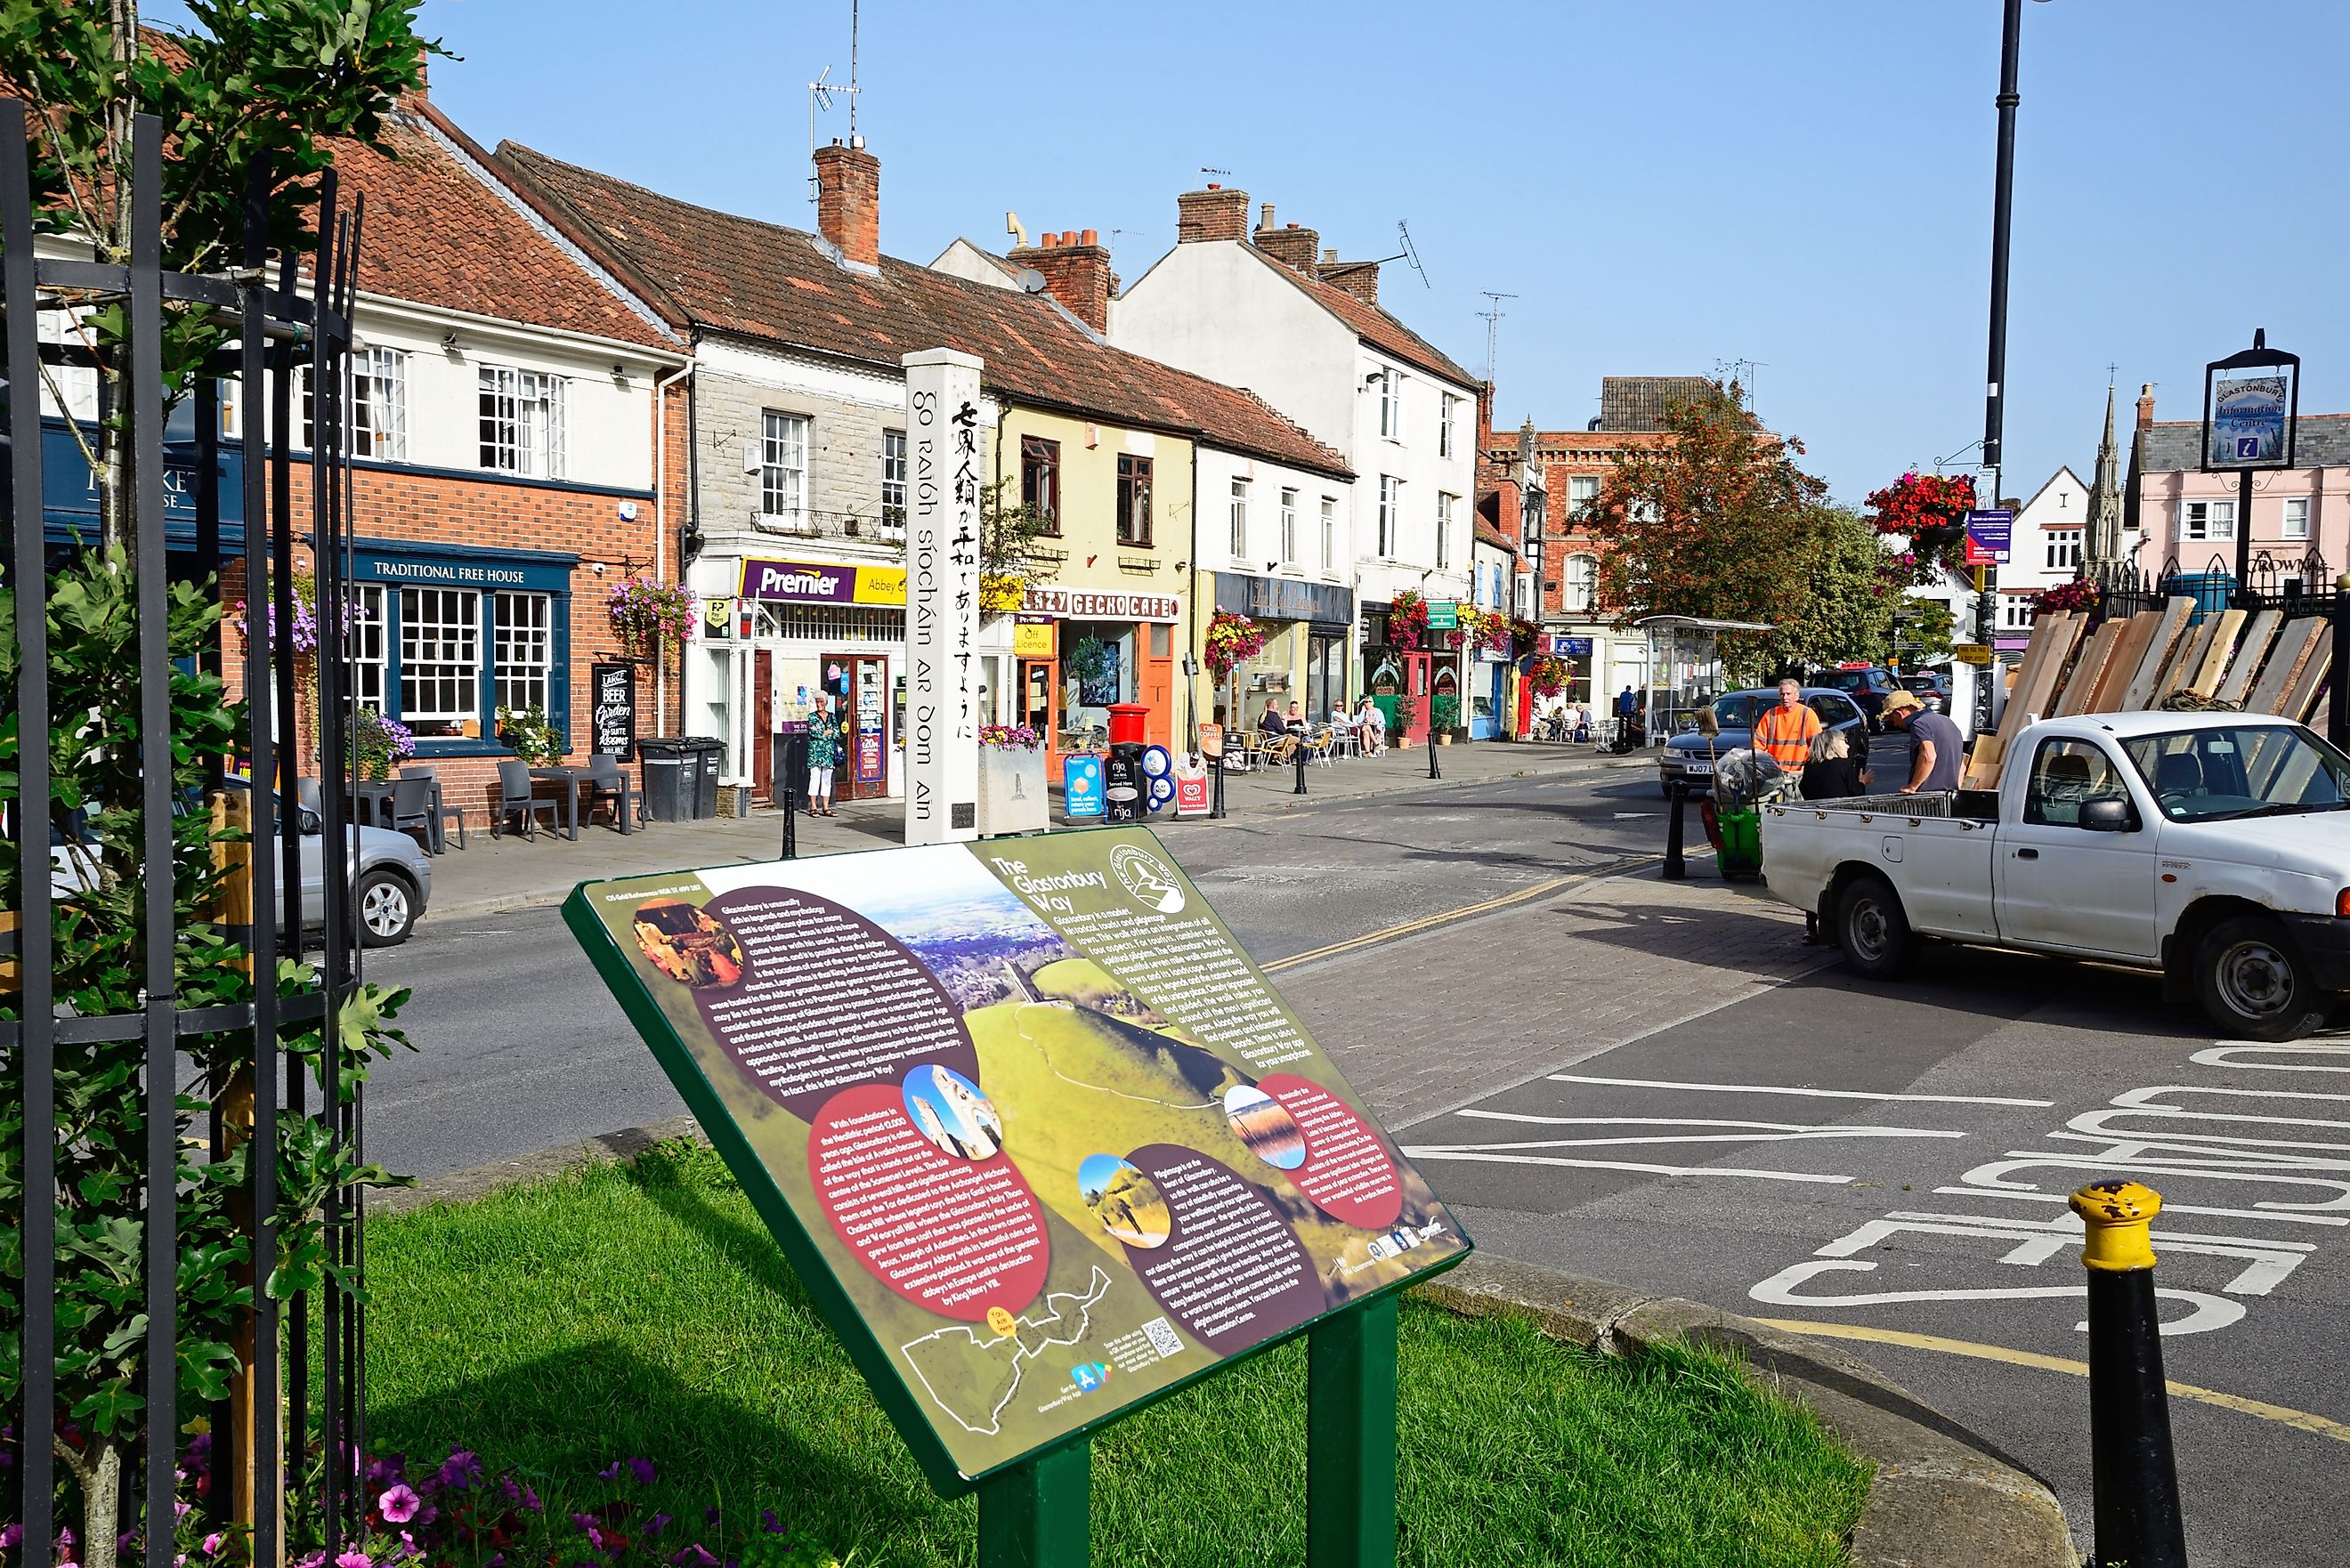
820 93
1493 315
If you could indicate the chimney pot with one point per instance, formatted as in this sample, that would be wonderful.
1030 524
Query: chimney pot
1290 225
2146 405
1049 239
1214 186
1089 237
1265 220
1069 236
1330 257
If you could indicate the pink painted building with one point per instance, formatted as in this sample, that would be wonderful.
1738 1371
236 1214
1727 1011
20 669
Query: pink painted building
2173 512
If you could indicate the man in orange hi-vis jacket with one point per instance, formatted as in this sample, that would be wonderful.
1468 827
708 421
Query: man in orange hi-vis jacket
1785 731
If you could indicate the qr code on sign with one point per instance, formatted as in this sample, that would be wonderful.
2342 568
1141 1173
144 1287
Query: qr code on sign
1162 1337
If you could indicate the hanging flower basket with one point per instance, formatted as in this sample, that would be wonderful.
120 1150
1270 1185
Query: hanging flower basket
1233 640
2080 594
1546 675
1407 621
1523 637
1930 511
648 613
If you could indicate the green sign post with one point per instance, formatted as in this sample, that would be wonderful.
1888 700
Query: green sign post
1443 614
1045 1145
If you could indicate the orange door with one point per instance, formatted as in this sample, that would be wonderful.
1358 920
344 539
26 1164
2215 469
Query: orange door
762 748
1156 677
1040 704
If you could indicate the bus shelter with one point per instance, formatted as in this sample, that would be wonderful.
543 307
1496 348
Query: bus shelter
1684 668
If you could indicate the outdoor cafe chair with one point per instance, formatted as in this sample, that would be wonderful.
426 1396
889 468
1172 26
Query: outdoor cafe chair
608 784
411 809
518 796
1324 742
443 814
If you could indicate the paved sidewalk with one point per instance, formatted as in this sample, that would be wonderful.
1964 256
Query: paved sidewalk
494 874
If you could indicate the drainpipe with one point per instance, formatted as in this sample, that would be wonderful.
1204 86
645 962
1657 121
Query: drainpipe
692 513
660 523
1192 648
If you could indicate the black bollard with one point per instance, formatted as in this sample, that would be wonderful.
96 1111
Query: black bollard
1676 863
1216 763
2134 1473
1301 765
1433 770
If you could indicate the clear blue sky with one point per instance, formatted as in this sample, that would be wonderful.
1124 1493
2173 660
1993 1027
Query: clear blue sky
1664 184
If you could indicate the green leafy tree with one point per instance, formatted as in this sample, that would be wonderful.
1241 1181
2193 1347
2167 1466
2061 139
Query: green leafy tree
1848 611
1719 522
1922 631
279 79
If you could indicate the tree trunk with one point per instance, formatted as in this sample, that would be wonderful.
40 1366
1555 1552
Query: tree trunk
100 1471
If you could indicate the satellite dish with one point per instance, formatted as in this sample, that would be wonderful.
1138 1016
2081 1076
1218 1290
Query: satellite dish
1030 281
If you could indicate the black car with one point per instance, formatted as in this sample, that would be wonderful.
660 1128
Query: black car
1922 681
1870 688
1687 759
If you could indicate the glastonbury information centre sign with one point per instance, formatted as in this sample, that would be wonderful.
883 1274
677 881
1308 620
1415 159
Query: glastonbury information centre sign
1042 1139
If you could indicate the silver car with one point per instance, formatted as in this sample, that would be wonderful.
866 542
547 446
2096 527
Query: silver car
393 877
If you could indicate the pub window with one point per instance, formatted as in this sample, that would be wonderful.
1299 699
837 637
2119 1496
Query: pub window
893 481
1133 500
524 641
439 660
521 421
368 629
1040 480
376 406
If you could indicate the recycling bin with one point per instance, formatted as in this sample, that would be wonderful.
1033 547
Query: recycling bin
664 758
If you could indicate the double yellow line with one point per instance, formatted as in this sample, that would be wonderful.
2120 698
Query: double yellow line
1466 912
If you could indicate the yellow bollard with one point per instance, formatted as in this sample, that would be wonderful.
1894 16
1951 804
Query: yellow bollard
2134 1470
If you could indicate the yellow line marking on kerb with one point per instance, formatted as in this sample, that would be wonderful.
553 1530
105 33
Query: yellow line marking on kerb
2284 1415
1539 889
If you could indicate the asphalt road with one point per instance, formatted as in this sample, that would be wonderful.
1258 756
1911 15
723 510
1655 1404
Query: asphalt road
520 1047
1893 1161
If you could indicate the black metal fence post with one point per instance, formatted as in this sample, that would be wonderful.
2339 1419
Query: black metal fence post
2337 676
1216 763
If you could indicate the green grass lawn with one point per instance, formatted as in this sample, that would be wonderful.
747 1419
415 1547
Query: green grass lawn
643 1311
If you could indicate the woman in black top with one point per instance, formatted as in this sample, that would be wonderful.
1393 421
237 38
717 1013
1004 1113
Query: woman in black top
1834 772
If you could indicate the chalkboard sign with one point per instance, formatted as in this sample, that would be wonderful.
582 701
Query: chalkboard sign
614 691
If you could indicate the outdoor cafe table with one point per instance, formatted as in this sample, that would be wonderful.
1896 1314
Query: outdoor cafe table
371 799
571 778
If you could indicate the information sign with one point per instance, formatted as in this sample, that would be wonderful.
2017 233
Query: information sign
1988 535
1041 1140
1081 786
1970 652
1443 614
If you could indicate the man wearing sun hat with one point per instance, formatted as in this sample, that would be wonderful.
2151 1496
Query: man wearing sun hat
1935 747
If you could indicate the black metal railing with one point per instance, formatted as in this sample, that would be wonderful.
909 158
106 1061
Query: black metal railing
302 1415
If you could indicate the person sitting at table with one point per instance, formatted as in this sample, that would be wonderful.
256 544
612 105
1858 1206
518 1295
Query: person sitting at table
1274 734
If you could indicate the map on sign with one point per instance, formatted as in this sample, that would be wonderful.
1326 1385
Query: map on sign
1042 1139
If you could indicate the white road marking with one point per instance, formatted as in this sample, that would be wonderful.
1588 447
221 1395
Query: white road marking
1786 1089
1474 1153
2039 1241
1758 1132
2224 1056
2210 1312
2206 1210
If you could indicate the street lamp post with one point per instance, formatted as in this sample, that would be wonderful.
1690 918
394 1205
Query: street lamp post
1995 378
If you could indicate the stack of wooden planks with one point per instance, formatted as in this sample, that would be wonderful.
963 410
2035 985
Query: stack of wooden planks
2260 663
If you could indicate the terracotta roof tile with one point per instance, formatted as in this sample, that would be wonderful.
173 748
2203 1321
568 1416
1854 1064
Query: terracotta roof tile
722 272
1372 324
436 233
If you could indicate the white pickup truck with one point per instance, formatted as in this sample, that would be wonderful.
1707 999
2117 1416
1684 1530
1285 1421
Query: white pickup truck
2211 847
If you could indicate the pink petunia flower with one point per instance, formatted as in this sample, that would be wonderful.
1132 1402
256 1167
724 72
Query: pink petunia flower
399 1503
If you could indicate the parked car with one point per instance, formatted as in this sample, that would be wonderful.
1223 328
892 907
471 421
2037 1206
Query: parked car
1922 681
1687 759
2211 849
1869 687
392 876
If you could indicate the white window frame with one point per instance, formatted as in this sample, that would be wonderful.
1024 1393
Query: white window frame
1288 527
440 655
1390 513
893 484
374 427
1580 585
2063 549
1239 518
1444 433
521 421
2206 521
1330 532
2016 612
2295 519
1582 494
1444 500
522 671
784 469
1391 404
370 627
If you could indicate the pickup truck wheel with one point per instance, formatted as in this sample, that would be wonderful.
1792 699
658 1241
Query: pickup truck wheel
1872 929
2254 985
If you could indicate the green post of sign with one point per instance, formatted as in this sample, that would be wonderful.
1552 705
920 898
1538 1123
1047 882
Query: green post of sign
1039 1514
1350 1438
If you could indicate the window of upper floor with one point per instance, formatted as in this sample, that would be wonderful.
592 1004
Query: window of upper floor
2206 520
521 421
1390 390
1238 517
784 469
2063 549
2296 517
1040 480
1134 500
893 483
1447 437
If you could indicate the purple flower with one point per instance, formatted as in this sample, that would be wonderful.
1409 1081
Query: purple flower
399 1503
709 1516
610 1472
354 1560
211 1543
769 1522
530 1499
694 1556
382 1472
179 1510
658 1523
461 1469
642 1469
587 1521
10 1536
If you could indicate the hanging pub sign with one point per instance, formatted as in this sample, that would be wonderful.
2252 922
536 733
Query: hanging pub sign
897 1054
2252 406
612 691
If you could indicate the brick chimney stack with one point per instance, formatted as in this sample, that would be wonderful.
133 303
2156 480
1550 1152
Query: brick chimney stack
849 200
2146 405
1292 247
1360 279
1075 265
1214 213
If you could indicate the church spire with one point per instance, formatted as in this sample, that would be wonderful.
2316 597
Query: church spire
2104 540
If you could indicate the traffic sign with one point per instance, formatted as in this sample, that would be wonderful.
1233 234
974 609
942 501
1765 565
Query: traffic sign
1970 652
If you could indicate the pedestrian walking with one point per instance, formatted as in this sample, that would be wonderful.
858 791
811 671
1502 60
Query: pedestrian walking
1786 732
823 752
1935 747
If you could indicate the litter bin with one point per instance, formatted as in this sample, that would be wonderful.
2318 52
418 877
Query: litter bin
665 759
711 755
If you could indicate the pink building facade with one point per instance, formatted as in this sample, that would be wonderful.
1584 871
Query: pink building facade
2174 512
